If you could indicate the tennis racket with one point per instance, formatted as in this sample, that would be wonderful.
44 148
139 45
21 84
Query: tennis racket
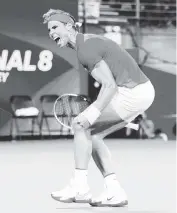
69 106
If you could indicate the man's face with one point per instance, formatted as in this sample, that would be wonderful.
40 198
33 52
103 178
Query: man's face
59 33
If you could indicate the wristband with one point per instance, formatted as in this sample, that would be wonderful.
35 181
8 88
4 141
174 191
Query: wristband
91 113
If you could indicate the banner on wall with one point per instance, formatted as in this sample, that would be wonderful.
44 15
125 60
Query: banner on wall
22 62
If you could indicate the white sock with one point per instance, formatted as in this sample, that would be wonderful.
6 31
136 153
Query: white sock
80 176
111 181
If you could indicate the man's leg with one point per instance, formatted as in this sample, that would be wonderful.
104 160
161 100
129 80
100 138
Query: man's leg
100 151
82 148
114 194
78 190
129 104
102 158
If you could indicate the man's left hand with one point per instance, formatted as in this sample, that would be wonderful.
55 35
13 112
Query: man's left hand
82 121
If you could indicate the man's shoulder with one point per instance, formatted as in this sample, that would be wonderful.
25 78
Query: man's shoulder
93 37
89 43
96 43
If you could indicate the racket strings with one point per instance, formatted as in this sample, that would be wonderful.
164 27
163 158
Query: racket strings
67 110
68 107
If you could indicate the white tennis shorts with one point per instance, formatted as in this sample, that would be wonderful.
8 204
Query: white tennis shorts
130 102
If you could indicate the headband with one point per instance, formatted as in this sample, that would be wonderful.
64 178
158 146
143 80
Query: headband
62 18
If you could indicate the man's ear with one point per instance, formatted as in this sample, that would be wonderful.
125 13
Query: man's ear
69 26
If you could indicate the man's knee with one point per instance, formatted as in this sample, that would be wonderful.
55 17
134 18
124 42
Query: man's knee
77 127
97 142
96 137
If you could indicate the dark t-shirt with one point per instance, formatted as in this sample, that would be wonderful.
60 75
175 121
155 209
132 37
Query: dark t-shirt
91 49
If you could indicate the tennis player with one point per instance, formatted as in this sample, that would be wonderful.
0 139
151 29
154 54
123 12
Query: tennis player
125 93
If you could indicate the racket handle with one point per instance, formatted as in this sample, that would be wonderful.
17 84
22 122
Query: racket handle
132 126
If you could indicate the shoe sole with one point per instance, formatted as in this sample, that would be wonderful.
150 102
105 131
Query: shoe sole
70 200
99 204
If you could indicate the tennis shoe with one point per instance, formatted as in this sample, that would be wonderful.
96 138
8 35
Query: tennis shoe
115 197
74 192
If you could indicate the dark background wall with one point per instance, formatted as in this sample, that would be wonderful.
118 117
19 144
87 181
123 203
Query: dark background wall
165 100
34 10
22 29
27 82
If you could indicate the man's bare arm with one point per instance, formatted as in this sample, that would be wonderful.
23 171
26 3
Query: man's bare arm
103 75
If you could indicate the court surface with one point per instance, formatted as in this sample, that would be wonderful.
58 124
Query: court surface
30 170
